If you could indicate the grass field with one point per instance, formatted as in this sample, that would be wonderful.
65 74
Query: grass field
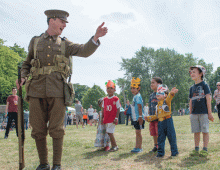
79 151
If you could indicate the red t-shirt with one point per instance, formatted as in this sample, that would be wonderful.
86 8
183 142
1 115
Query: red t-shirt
110 109
13 103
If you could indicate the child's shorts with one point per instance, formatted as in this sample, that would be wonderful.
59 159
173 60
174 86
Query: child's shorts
153 127
110 128
199 123
137 126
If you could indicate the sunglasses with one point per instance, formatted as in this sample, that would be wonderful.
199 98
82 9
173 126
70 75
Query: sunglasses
218 85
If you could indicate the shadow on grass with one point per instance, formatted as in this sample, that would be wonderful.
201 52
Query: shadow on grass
191 161
123 156
150 159
90 155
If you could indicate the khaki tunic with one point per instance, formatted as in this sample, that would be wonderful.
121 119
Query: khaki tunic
44 86
46 91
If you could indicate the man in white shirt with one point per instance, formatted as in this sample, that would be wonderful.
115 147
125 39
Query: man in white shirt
90 114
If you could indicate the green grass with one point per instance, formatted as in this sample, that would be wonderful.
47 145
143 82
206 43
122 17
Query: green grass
79 151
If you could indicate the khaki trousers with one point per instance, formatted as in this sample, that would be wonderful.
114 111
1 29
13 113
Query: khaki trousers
43 110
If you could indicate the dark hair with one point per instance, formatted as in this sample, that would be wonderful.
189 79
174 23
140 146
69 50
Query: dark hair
158 80
200 71
13 88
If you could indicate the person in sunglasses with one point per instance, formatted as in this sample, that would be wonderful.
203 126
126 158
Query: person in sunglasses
165 121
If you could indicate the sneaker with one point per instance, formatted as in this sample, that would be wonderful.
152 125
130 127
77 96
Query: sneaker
56 167
113 149
203 153
137 150
173 156
43 167
159 156
6 137
154 149
194 153
107 148
134 150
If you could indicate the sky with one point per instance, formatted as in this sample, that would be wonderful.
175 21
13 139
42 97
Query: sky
187 26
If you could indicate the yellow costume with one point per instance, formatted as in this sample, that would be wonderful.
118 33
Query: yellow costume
164 108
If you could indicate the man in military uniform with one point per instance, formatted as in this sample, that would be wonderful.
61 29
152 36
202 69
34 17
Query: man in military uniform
47 66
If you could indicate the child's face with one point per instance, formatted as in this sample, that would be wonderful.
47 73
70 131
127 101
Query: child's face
134 90
153 85
110 91
161 97
195 75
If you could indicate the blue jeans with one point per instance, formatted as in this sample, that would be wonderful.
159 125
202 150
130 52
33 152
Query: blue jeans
166 129
128 119
26 124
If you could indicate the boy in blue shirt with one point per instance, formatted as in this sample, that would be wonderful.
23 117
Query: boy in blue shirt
200 109
137 111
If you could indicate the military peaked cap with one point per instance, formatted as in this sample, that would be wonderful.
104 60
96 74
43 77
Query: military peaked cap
53 13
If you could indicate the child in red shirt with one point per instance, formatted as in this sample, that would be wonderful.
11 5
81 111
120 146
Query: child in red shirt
110 113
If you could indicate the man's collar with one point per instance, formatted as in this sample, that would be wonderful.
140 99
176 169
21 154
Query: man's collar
53 36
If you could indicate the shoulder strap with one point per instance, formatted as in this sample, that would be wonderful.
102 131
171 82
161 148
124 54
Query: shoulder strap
35 46
63 47
63 52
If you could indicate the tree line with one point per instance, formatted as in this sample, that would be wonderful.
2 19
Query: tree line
147 63
169 65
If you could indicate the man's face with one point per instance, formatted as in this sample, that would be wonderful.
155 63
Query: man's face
90 106
57 25
195 75
218 86
110 91
153 85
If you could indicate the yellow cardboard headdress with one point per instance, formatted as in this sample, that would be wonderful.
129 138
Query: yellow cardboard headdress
135 82
110 84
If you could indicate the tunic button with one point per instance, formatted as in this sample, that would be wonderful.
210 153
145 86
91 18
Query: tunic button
48 64
48 46
48 55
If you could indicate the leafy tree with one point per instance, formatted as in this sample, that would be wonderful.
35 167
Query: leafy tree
167 64
8 70
92 96
21 52
80 91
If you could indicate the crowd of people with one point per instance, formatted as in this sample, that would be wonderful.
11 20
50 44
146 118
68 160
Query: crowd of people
159 115
81 116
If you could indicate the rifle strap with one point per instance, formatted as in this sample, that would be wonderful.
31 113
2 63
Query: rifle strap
35 46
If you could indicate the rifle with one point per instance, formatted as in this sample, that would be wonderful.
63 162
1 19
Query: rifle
21 131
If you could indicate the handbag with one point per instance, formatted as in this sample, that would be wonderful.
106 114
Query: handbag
125 112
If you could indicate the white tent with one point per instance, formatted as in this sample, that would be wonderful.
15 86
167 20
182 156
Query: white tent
70 109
